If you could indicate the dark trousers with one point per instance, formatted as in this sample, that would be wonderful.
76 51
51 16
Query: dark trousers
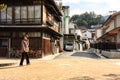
24 55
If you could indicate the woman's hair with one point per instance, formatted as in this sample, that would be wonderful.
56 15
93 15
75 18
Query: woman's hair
26 35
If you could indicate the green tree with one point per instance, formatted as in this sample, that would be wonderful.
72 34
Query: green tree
87 19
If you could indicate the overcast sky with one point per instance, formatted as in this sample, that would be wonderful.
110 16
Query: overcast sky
98 6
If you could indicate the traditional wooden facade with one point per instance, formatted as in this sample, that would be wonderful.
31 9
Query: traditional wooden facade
39 18
111 30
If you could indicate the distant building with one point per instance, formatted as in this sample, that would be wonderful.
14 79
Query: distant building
88 34
111 30
64 26
66 19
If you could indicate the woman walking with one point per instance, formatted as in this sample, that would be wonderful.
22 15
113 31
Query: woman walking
25 50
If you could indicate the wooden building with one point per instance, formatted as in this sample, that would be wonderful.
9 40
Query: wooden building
39 18
110 30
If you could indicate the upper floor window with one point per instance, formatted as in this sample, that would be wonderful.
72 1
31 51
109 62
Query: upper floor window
21 14
37 11
24 13
3 16
31 13
9 14
6 15
17 14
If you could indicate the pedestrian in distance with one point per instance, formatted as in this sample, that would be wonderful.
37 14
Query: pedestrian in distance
25 50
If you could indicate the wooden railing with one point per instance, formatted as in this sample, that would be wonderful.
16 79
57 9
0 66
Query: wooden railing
21 21
107 46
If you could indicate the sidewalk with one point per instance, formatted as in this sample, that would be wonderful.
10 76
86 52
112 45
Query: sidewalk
12 62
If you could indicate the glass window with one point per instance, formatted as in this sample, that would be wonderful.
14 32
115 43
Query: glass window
37 11
3 16
3 42
17 13
9 14
23 13
21 34
30 13
35 34
4 34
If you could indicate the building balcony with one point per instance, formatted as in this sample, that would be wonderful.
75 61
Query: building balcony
20 21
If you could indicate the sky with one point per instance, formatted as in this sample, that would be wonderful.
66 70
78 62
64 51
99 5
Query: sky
98 6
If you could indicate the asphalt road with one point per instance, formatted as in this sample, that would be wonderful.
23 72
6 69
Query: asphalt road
69 54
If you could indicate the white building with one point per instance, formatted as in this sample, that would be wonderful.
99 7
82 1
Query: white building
66 19
88 33
64 29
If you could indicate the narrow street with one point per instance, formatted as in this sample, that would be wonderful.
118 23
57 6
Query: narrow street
66 66
78 55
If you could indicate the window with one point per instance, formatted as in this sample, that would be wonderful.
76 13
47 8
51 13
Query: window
3 16
4 34
3 42
27 14
30 13
17 13
23 13
9 14
35 34
46 35
37 13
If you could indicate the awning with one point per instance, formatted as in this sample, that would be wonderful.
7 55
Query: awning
29 28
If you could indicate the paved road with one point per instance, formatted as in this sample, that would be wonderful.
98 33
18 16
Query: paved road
77 55
67 66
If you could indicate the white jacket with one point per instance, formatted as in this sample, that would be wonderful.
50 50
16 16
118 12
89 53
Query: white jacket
25 45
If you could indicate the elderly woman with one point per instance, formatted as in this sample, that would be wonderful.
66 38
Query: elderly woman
25 50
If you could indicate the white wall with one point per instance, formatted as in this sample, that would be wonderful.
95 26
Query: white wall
66 19
87 34
71 25
66 25
111 26
98 33
118 21
78 32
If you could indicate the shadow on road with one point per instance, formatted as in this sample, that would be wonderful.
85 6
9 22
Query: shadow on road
112 76
7 65
85 54
82 78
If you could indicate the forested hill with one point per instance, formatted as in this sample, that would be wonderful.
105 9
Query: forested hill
87 19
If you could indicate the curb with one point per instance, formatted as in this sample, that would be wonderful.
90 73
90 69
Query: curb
50 57
98 54
102 57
